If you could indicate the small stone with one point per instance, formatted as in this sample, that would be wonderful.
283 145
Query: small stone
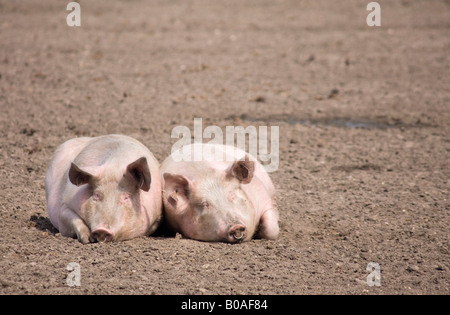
412 268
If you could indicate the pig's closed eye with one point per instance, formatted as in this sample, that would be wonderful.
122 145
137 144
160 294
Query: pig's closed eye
97 196
232 196
125 198
205 205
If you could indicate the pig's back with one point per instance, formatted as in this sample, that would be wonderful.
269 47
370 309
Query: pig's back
234 154
228 155
56 176
110 151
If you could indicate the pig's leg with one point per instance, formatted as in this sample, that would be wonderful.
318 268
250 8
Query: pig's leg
268 225
71 224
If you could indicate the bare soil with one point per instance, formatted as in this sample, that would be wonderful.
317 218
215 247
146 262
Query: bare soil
364 118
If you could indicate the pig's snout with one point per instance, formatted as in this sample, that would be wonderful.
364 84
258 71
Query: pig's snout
237 233
102 235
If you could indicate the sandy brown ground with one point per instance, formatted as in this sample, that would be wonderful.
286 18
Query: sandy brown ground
364 138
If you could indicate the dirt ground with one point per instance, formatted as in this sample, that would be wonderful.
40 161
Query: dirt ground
364 118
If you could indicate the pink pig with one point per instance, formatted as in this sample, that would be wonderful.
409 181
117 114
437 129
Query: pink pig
105 188
224 196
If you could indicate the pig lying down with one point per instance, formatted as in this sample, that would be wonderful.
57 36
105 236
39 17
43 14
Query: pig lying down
105 188
227 199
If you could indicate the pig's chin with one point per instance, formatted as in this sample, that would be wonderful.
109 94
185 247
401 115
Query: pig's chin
205 237
207 233
215 233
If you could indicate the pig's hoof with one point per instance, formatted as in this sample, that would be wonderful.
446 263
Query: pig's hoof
84 239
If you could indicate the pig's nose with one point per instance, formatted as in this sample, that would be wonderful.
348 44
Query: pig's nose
236 233
102 235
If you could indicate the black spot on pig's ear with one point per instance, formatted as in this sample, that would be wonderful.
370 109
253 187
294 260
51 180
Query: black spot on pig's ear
243 170
176 186
77 176
176 191
139 172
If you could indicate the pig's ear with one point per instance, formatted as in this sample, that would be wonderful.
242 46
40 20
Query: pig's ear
176 189
77 176
140 173
243 170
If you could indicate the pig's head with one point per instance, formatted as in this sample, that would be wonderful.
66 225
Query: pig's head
214 208
112 209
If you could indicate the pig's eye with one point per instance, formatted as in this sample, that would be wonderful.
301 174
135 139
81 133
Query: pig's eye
232 196
205 205
97 196
125 198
